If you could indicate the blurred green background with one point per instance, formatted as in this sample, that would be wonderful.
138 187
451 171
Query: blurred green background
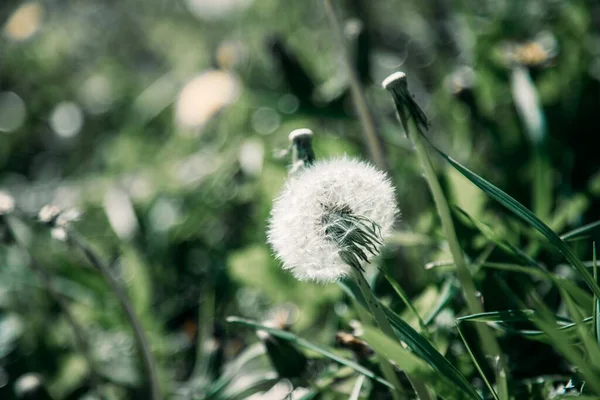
161 122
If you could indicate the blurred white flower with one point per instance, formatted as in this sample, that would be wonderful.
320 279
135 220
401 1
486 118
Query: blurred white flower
49 213
321 213
7 203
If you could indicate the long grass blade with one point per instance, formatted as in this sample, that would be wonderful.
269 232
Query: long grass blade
523 213
309 346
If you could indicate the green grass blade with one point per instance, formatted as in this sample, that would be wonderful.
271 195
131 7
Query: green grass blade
400 292
581 231
591 346
485 379
309 346
418 344
523 213
502 320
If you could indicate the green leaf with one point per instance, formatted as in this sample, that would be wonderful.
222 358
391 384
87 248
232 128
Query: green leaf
418 344
290 337
524 214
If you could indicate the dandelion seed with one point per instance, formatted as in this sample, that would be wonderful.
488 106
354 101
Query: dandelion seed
330 217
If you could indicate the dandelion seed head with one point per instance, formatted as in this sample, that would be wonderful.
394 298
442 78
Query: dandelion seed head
308 228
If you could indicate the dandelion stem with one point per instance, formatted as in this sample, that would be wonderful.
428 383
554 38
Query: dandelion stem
140 337
387 329
358 95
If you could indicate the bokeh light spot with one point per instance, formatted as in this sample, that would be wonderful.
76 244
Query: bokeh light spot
96 94
214 9
251 157
265 120
66 119
12 111
24 21
203 96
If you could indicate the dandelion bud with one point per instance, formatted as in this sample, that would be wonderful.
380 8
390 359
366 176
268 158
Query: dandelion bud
302 151
406 105
330 217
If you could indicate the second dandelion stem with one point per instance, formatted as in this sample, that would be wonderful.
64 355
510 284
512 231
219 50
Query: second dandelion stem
488 339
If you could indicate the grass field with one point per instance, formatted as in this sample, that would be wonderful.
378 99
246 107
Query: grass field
236 199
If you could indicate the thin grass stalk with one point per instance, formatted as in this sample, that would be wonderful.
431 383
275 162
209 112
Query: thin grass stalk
138 331
387 329
81 342
358 96
205 324
596 300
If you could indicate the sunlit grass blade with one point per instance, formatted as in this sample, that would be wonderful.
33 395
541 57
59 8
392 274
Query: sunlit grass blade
418 344
581 232
582 297
479 369
410 363
309 346
564 345
523 213
545 320
585 333
501 320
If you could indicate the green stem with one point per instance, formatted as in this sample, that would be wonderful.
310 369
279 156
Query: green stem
487 337
138 331
358 96
387 329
